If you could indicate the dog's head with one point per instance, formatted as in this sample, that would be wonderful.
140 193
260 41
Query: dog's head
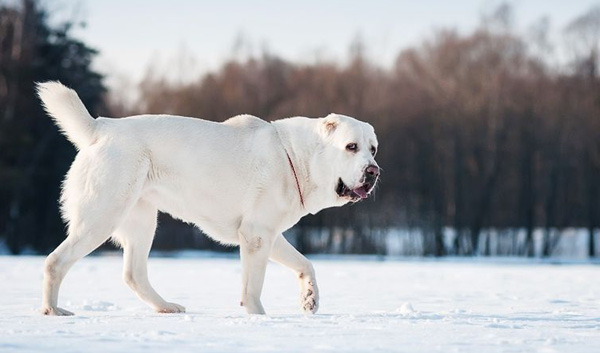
350 147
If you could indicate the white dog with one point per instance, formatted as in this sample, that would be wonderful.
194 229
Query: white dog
243 182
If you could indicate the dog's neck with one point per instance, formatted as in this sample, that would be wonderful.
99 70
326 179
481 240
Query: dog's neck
302 149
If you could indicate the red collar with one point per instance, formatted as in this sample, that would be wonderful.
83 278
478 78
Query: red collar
296 177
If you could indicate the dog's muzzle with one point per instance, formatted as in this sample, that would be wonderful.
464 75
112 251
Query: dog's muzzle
371 174
368 182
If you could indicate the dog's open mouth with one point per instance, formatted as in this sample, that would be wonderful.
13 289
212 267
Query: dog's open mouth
359 193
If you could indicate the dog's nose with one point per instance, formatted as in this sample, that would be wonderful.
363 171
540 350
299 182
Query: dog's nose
372 171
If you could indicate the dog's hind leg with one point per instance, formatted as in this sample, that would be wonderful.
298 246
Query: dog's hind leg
284 253
95 200
135 235
73 248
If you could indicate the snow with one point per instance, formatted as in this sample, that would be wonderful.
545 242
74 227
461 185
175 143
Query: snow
366 306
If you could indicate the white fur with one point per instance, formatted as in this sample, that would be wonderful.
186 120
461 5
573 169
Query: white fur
232 179
68 112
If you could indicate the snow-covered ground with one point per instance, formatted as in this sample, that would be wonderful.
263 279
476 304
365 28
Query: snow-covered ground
366 306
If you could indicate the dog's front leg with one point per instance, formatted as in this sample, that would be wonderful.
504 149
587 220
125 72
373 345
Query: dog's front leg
284 253
254 253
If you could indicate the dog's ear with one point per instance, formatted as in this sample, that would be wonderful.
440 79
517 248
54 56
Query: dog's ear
329 124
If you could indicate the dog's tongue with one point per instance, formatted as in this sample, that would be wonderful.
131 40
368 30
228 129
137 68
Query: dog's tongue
361 191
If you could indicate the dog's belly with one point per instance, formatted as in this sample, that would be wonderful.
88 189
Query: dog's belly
218 222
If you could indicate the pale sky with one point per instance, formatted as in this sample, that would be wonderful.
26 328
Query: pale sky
185 38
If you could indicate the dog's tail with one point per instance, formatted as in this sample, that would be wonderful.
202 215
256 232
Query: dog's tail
68 112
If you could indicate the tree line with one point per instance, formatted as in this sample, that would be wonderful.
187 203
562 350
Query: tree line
34 157
492 129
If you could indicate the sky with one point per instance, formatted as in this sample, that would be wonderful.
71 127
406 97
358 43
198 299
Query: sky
183 39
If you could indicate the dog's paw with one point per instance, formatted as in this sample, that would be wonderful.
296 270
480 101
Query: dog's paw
309 298
253 307
56 312
171 308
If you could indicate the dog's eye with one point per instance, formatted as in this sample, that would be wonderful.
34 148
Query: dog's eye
373 151
352 147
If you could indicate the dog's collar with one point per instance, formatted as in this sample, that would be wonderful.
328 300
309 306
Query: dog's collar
292 167
295 177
